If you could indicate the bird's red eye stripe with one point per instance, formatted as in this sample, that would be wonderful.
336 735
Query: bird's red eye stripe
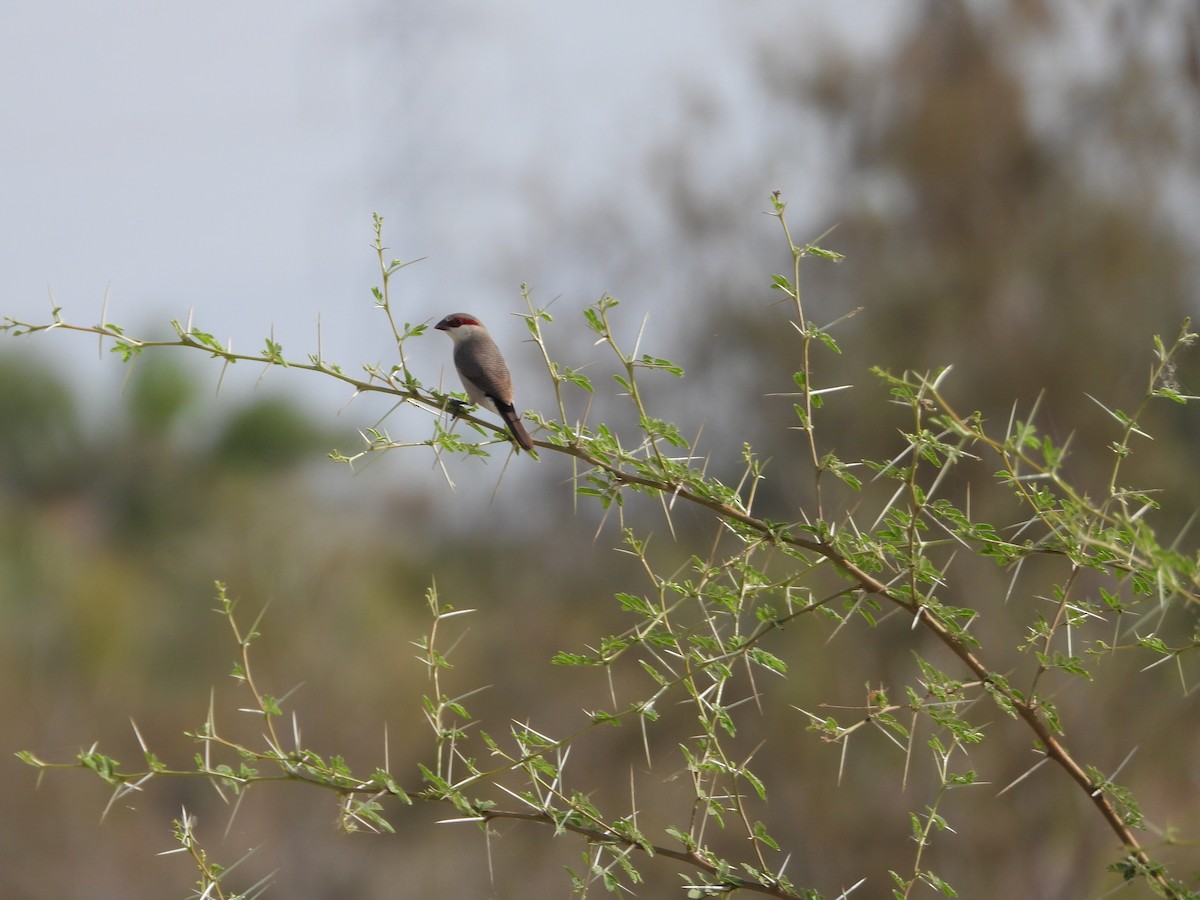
457 322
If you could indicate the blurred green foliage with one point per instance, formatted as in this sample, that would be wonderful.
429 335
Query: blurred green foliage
39 432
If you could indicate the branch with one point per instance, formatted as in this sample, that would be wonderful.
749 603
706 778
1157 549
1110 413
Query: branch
692 858
1027 710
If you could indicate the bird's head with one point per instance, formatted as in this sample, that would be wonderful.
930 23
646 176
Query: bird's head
460 325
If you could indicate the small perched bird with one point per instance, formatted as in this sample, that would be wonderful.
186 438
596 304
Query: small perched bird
483 372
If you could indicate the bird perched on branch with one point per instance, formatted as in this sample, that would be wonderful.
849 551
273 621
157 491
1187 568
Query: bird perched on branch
483 372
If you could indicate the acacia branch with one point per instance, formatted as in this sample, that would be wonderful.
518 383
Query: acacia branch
691 858
1027 710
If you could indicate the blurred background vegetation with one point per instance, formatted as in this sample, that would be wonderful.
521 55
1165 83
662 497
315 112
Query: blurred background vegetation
1007 205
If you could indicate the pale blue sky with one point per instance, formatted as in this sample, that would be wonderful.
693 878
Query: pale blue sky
227 157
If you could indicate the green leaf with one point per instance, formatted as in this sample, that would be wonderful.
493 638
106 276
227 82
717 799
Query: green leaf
563 658
654 362
831 255
760 834
768 660
779 283
273 352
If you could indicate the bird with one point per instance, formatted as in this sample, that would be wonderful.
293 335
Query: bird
483 372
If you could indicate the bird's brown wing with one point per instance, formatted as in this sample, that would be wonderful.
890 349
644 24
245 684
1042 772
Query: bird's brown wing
485 368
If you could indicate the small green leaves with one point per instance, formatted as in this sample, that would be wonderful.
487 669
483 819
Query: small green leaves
841 471
104 766
821 253
273 353
759 830
196 337
572 376
653 362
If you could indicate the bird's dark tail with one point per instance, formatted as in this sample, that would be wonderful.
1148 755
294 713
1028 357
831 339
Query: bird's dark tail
509 414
